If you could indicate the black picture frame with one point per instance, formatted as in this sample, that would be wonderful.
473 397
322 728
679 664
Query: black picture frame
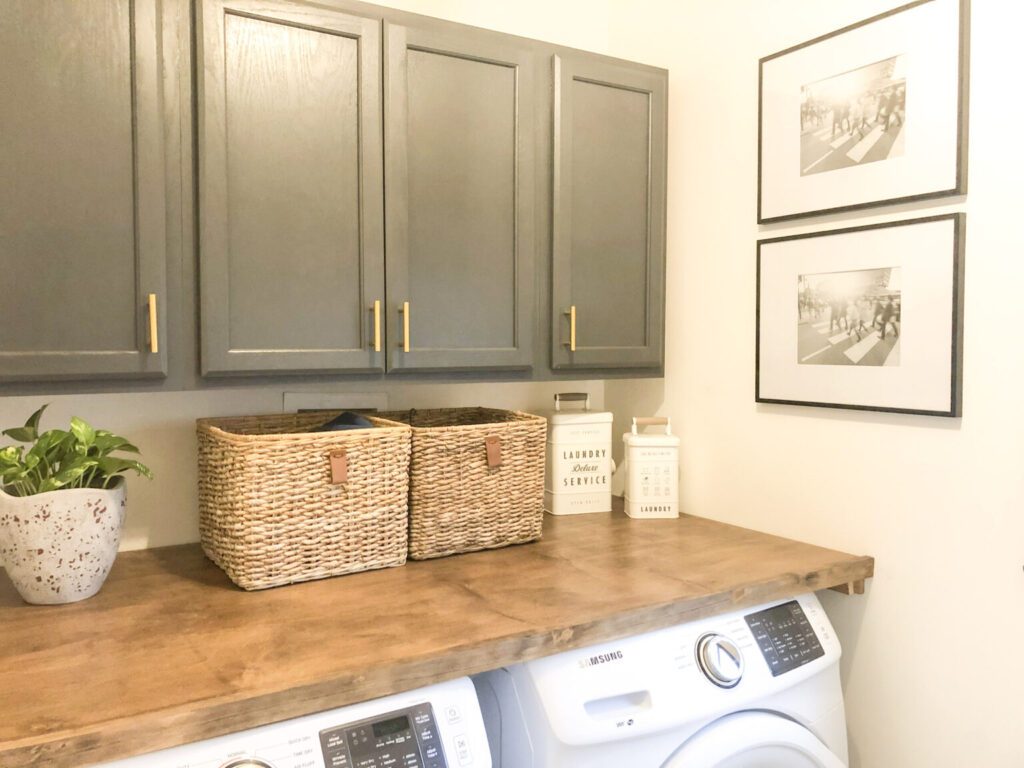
956 318
962 109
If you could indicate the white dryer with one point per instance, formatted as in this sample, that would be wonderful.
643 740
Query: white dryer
752 689
434 727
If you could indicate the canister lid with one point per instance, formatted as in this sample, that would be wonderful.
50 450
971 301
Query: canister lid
559 416
638 438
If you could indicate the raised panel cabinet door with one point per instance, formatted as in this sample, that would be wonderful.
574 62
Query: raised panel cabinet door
82 213
608 222
290 189
459 200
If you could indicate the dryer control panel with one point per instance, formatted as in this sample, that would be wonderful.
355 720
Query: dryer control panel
785 637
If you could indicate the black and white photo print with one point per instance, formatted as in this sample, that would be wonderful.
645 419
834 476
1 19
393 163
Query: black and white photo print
870 114
868 317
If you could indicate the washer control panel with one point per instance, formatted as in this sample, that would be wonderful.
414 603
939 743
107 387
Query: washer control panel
407 738
439 726
785 637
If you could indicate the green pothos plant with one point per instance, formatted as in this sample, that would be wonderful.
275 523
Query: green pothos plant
79 457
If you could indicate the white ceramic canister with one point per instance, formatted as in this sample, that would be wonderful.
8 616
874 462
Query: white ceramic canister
578 474
652 470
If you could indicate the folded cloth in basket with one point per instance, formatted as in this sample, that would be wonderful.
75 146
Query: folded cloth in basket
346 420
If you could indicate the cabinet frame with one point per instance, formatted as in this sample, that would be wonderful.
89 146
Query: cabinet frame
471 45
567 69
150 233
217 355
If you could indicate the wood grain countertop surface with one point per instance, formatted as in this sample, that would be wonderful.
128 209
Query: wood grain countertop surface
170 652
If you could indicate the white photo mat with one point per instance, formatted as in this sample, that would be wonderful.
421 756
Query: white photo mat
928 254
925 38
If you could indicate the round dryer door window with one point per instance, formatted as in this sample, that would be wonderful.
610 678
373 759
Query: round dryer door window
754 740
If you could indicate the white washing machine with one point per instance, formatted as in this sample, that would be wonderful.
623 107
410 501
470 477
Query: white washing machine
752 689
439 726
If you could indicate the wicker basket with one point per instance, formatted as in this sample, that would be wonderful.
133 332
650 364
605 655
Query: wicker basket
279 504
476 479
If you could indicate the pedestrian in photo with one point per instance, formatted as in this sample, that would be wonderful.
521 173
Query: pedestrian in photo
852 320
888 312
837 117
837 314
871 112
898 111
856 115
877 314
866 315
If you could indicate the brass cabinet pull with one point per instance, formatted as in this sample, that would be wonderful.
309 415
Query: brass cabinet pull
571 314
376 325
405 326
154 338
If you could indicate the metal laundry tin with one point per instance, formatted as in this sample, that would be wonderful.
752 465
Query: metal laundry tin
652 470
578 473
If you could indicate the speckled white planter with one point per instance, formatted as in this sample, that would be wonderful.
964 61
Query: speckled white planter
58 547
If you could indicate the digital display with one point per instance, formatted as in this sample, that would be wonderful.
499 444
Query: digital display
785 637
388 727
403 738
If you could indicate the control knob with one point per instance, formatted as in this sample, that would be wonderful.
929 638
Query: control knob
720 660
247 762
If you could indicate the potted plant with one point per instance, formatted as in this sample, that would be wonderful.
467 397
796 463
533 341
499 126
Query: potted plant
62 507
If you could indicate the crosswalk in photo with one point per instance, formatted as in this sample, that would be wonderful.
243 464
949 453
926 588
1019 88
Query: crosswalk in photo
854 118
849 318
818 347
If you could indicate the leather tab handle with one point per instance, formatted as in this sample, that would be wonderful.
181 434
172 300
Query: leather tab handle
339 467
493 445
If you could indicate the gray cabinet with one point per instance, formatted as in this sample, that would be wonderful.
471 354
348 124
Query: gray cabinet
459 142
290 189
608 219
82 214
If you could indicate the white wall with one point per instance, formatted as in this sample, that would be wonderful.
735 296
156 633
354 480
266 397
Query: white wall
933 665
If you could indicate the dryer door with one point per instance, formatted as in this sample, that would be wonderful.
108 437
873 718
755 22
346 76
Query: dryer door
754 740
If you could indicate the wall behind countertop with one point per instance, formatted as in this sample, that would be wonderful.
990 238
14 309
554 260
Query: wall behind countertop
931 664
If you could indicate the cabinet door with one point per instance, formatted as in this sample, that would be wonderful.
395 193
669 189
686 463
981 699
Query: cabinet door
82 217
609 214
459 201
290 197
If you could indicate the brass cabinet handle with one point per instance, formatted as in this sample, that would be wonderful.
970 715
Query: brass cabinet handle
405 326
376 325
154 338
571 314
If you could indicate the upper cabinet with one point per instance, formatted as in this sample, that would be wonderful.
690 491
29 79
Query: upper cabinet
82 214
290 189
326 188
608 218
459 141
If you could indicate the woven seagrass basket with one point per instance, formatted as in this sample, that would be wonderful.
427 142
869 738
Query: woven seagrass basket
279 504
476 479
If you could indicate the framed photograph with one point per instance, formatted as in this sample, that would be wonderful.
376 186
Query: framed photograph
870 114
868 318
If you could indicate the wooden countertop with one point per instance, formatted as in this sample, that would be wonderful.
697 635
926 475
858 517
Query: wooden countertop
171 652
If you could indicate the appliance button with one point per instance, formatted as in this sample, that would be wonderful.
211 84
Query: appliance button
462 749
720 660
452 713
